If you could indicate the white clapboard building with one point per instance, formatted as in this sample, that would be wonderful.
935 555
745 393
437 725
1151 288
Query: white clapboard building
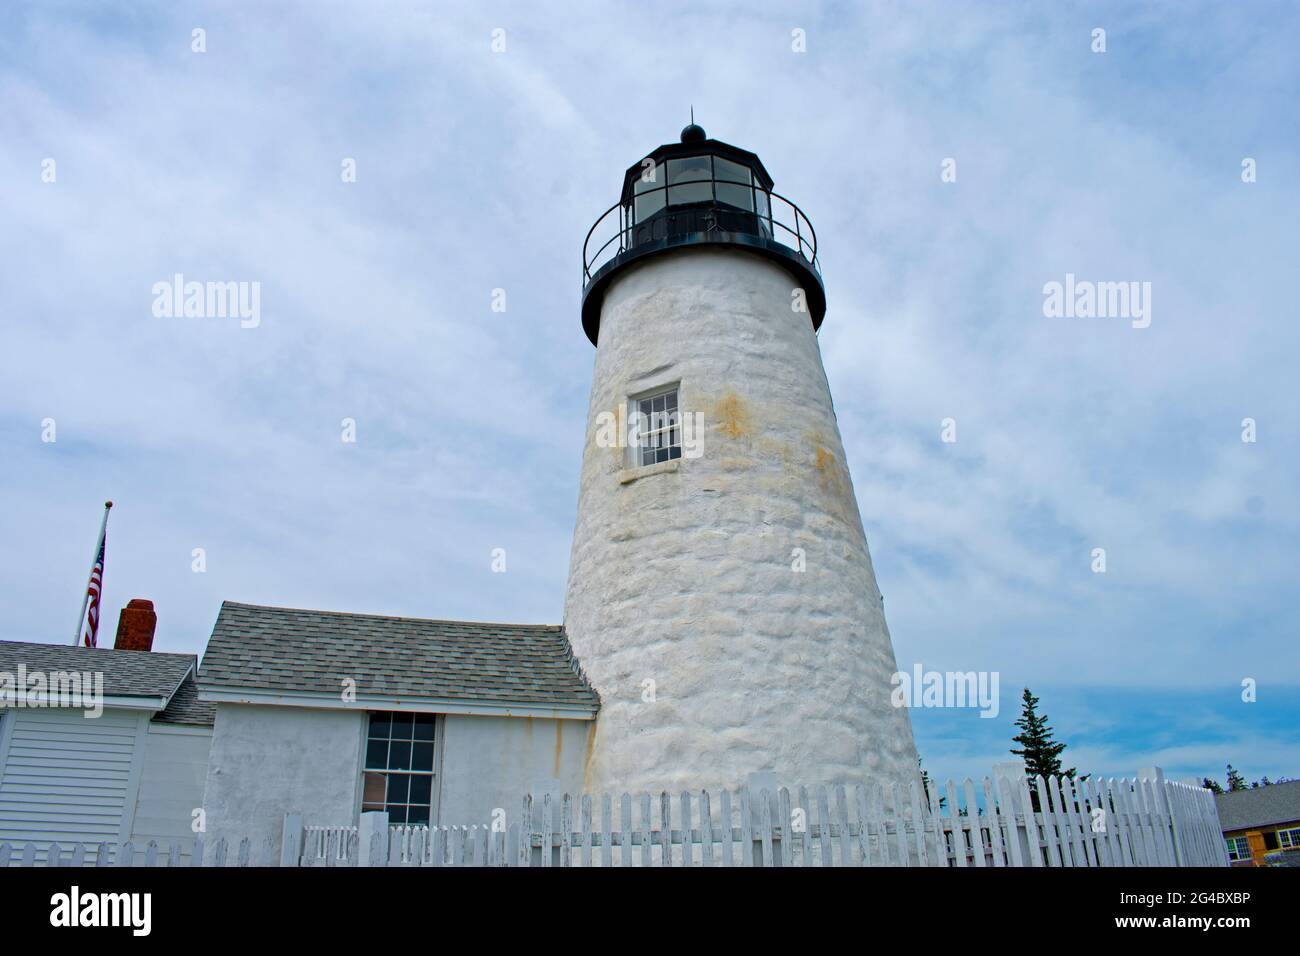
129 764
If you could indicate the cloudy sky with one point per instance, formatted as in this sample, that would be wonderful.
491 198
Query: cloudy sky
479 170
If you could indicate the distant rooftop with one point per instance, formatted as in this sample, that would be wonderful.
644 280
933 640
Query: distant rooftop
1260 806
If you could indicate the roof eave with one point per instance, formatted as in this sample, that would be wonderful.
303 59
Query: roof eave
480 707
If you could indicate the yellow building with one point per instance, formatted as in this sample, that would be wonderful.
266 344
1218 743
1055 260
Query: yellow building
1261 822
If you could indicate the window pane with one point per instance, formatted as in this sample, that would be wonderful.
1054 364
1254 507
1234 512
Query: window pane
421 789
647 179
417 817
674 453
422 756
740 196
402 726
377 754
649 204
379 724
688 170
693 192
724 170
399 787
374 788
424 726
672 399
396 815
399 755
763 209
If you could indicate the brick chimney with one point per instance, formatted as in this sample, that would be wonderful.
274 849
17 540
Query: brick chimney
135 626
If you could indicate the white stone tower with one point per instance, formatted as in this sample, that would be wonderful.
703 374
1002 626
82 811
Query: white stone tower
721 596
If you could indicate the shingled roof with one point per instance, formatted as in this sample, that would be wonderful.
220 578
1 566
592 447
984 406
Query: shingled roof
126 673
286 652
1259 807
186 708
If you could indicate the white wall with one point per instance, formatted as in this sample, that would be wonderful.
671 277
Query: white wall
490 762
685 577
269 761
172 777
69 778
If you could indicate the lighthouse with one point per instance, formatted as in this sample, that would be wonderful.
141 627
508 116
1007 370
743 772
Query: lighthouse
721 597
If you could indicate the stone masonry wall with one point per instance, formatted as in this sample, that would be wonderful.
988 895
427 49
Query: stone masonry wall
682 575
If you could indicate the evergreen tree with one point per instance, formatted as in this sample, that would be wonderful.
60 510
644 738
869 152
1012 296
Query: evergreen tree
1042 755
1236 781
1211 785
925 783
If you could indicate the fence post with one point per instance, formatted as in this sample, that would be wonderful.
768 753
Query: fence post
372 823
1157 777
756 783
1013 772
291 840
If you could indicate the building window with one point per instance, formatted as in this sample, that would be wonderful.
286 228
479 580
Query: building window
658 428
1290 839
1238 848
399 768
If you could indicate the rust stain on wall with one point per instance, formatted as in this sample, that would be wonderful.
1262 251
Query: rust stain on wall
733 416
591 749
824 459
559 746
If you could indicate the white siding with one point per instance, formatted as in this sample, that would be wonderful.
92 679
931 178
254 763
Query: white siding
64 777
171 784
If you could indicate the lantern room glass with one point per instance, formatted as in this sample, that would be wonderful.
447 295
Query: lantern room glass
704 178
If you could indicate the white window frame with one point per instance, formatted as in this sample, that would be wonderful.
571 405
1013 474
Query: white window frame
1238 848
636 450
1289 839
435 775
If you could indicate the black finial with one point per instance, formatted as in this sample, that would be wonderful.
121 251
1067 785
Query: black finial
693 133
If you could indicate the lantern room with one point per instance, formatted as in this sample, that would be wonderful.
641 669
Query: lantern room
699 191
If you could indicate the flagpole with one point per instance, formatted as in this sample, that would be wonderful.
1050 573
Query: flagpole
94 559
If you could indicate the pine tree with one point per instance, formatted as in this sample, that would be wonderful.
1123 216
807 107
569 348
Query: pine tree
925 782
1042 755
1211 785
1236 781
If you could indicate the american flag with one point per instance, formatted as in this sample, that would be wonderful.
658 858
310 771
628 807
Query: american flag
91 623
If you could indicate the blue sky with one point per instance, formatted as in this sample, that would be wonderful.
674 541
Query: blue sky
479 170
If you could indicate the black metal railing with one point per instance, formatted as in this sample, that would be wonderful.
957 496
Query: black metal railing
769 215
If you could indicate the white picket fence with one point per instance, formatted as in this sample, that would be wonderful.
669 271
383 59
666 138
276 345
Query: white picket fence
999 822
198 852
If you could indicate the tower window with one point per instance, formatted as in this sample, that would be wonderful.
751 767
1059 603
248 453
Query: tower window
659 429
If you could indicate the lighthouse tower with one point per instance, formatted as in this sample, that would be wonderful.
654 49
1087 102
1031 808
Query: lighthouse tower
721 597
